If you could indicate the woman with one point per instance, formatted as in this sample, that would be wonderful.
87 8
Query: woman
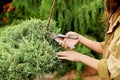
108 67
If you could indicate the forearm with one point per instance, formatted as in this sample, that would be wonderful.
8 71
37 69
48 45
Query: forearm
95 46
89 61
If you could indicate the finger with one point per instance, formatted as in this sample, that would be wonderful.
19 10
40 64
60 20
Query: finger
71 49
65 46
61 53
64 58
69 34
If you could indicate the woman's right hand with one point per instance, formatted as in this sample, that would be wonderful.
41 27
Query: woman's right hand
68 42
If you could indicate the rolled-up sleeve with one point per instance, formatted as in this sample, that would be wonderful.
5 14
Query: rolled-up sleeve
114 67
102 44
103 70
103 67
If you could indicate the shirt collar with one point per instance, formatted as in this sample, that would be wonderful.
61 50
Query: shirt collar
113 24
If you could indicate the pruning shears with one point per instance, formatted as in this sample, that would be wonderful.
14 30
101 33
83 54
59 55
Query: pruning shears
59 38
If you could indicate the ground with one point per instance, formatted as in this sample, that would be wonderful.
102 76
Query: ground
87 74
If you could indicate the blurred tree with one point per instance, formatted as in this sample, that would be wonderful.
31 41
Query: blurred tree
71 15
4 8
26 8
3 3
76 15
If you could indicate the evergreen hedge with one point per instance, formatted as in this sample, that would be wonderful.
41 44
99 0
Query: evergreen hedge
26 53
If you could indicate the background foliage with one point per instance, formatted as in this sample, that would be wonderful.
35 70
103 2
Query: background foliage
71 15
21 40
77 15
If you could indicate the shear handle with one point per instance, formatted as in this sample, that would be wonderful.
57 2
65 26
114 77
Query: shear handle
63 36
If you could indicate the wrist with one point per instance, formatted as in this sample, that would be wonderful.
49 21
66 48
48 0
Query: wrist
80 38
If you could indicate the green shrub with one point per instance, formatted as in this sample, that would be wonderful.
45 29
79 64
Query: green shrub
25 52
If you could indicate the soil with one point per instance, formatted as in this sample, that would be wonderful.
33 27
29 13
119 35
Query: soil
87 74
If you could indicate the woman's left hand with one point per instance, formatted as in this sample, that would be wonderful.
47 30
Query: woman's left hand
78 57
69 55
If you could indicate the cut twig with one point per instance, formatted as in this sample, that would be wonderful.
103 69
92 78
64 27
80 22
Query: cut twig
51 11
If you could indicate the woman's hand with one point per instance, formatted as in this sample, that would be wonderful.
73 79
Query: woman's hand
95 46
69 55
70 43
78 57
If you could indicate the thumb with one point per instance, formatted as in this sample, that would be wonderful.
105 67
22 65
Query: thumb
71 48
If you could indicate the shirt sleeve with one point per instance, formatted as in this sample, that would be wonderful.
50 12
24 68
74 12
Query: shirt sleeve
102 44
103 70
114 67
102 67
